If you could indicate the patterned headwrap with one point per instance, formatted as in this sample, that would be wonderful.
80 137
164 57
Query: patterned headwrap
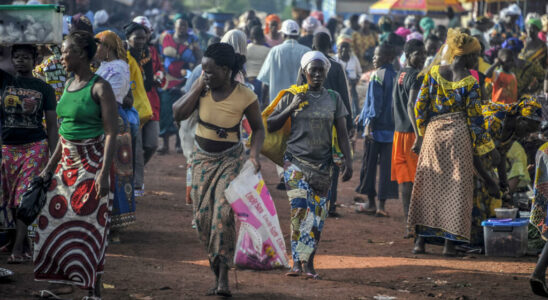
344 39
112 41
461 43
81 22
530 108
270 18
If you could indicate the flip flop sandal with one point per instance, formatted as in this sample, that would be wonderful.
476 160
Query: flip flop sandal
45 294
294 273
538 287
15 260
313 276
224 293
5 249
381 214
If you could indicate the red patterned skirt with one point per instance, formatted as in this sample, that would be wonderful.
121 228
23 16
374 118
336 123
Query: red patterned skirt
71 237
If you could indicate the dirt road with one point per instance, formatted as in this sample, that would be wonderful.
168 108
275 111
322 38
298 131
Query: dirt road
360 257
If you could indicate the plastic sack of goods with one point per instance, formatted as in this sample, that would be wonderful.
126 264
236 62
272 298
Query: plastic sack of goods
260 244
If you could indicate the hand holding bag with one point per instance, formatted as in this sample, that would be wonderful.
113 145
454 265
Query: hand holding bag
34 199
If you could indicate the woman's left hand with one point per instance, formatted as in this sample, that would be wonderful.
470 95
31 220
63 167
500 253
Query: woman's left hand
347 170
101 184
256 163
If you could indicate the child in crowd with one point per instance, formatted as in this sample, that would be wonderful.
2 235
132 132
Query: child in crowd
505 84
404 161
351 65
378 119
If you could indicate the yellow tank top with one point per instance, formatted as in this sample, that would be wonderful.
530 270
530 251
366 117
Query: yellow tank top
225 114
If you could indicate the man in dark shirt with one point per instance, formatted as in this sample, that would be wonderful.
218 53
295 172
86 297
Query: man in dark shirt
404 161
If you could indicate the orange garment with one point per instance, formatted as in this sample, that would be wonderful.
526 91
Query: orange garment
505 87
404 161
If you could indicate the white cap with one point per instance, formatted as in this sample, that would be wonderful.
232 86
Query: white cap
101 17
290 27
363 18
143 21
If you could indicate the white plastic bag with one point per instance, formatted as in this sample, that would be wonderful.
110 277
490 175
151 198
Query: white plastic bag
260 244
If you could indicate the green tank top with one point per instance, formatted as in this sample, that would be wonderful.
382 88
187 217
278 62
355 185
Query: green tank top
80 115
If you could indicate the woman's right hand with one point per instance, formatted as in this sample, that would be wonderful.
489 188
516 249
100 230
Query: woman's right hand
416 148
297 100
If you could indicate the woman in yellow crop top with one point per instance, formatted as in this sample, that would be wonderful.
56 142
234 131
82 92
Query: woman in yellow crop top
218 155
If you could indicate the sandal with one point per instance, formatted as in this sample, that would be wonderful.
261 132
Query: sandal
5 273
45 294
5 249
211 292
381 214
294 273
313 276
538 286
16 259
223 293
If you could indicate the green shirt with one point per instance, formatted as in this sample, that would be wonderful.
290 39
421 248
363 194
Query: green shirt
80 115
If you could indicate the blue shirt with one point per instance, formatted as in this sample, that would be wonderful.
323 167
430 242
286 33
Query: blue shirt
281 66
377 109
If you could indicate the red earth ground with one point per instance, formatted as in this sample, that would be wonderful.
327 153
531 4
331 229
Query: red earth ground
359 257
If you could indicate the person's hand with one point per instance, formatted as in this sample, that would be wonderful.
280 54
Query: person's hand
101 184
497 62
127 103
255 161
297 100
357 119
495 157
347 170
416 148
493 188
368 131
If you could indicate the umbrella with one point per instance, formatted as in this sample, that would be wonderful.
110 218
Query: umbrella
414 7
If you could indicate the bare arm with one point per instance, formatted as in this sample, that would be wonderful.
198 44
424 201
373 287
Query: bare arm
413 94
344 144
103 93
51 126
53 160
184 107
253 115
489 72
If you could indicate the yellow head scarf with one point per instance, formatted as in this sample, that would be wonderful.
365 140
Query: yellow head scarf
112 41
461 43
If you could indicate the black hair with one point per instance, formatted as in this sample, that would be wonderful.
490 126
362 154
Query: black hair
85 41
321 42
433 38
354 18
332 25
256 33
395 40
387 50
132 27
223 54
412 46
200 23
506 51
31 48
250 24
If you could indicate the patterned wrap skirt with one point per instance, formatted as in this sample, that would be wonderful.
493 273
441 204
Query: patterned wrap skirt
123 209
308 213
71 238
20 164
442 198
215 223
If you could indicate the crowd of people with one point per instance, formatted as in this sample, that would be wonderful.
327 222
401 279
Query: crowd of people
453 118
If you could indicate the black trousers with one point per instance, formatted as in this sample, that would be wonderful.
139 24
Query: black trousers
376 153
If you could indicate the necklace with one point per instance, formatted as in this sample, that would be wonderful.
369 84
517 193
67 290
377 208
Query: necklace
315 95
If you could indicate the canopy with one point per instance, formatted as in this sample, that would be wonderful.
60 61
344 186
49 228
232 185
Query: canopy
414 7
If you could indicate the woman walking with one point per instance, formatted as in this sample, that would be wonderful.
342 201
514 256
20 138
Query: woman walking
76 217
25 102
308 159
218 155
115 70
449 119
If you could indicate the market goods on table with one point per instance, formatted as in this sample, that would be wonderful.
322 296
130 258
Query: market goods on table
31 24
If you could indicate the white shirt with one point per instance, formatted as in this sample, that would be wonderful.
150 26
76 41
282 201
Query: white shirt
116 72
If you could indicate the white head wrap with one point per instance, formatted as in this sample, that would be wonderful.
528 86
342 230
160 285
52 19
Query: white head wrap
363 18
143 21
101 17
410 20
237 39
311 56
310 24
